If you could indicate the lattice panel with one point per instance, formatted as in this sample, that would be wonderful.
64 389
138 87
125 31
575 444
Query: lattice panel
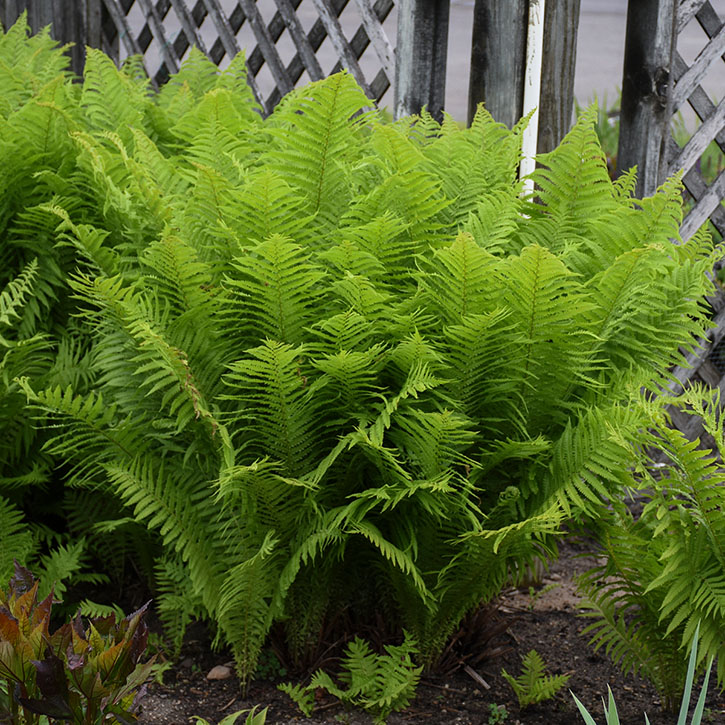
699 162
282 39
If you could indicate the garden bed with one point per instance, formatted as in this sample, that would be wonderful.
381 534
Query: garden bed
547 622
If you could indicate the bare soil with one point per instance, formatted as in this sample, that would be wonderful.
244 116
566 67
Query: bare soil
547 621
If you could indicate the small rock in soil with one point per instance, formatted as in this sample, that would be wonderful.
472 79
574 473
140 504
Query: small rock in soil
220 672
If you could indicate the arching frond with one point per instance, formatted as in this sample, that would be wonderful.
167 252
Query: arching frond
277 286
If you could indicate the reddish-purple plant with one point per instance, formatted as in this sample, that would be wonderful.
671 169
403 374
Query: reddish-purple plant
84 676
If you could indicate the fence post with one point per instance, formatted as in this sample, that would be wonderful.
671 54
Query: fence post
68 20
646 90
561 25
420 67
497 58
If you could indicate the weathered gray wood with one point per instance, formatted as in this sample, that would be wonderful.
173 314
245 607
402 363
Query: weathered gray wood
683 373
188 26
157 25
708 19
9 13
687 11
124 31
93 23
709 373
700 103
334 31
229 40
646 104
697 188
299 37
67 21
420 69
267 46
561 23
705 206
699 141
497 59
360 41
359 44
378 38
699 68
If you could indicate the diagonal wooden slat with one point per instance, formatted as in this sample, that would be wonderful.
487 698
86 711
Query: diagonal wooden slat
704 346
339 42
704 207
686 11
302 43
699 101
231 47
359 43
709 19
699 68
188 26
221 24
122 27
699 141
381 44
157 25
697 188
227 24
267 46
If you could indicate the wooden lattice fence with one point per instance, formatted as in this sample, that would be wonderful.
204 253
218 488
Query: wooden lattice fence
175 25
687 88
657 84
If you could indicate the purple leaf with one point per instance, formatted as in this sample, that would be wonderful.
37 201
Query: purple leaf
22 581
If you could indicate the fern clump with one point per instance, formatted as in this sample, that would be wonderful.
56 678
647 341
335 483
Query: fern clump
334 363
665 569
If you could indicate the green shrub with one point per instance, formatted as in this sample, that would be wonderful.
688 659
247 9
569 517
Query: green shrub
665 570
42 522
341 364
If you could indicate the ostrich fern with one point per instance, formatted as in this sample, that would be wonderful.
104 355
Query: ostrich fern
337 363
666 569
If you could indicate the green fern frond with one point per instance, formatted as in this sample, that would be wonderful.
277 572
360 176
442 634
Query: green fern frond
279 407
547 305
246 605
13 296
591 457
434 442
176 601
574 184
277 285
494 221
461 280
112 100
16 540
265 206
55 568
321 128
532 685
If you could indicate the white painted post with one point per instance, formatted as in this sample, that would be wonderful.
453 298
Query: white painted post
532 89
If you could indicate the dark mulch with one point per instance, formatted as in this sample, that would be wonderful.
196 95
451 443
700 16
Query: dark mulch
547 623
